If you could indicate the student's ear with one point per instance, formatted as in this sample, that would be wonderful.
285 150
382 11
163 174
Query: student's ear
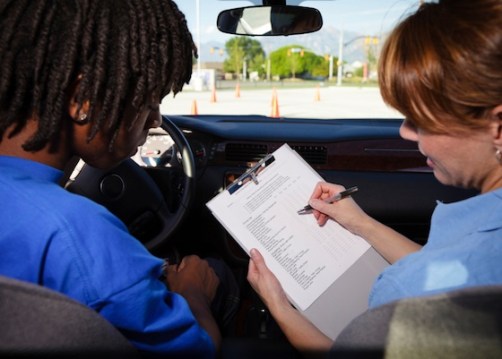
79 113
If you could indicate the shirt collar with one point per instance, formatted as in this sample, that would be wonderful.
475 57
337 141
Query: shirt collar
16 167
479 213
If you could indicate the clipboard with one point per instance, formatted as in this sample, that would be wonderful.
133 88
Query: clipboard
327 272
251 174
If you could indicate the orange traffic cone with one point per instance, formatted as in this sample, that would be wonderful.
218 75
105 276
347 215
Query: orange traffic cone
275 106
213 95
274 96
194 110
238 90
317 96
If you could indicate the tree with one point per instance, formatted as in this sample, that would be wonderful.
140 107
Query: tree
286 62
296 61
240 49
316 66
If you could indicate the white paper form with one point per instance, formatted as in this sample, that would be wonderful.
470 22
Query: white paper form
262 214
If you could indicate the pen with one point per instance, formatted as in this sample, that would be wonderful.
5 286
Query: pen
336 197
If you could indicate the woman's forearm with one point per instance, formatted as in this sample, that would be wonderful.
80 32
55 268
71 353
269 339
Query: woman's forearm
386 241
300 332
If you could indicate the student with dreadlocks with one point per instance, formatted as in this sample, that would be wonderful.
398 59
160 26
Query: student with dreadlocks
85 78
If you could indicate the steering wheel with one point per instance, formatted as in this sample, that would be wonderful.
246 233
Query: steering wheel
131 194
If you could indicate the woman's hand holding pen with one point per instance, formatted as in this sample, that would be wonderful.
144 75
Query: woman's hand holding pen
346 211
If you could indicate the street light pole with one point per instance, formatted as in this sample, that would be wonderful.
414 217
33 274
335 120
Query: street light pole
341 46
268 69
330 67
340 60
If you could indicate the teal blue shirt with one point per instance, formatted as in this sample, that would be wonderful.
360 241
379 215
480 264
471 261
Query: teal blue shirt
464 249
70 244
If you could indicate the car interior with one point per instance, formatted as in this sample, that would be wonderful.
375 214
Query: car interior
161 195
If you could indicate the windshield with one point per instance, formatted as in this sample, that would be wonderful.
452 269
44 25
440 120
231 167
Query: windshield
329 74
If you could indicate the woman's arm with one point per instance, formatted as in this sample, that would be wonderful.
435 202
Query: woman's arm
301 333
386 241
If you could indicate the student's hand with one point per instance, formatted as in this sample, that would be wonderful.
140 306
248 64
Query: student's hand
346 211
265 283
193 277
197 282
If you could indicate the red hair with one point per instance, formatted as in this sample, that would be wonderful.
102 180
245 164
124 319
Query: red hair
442 66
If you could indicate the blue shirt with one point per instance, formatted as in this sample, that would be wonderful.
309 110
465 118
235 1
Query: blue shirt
464 249
72 245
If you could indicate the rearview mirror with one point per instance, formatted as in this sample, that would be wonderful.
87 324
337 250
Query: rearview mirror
275 20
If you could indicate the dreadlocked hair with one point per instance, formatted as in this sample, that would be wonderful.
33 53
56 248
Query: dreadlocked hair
122 51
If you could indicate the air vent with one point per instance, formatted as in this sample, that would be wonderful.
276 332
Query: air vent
315 155
246 152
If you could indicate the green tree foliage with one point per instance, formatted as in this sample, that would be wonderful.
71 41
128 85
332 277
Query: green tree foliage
285 62
317 66
242 48
294 61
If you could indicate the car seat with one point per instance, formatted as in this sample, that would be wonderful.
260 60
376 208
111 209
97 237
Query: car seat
460 324
38 322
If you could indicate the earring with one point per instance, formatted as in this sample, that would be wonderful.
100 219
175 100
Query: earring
82 118
498 156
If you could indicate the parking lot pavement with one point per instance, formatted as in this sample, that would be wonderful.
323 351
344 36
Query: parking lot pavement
315 102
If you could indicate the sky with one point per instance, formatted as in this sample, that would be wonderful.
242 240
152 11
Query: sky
370 17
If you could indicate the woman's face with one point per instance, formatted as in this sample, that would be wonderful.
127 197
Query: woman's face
461 160
97 153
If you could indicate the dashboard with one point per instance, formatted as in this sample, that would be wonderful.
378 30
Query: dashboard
159 150
372 145
395 184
